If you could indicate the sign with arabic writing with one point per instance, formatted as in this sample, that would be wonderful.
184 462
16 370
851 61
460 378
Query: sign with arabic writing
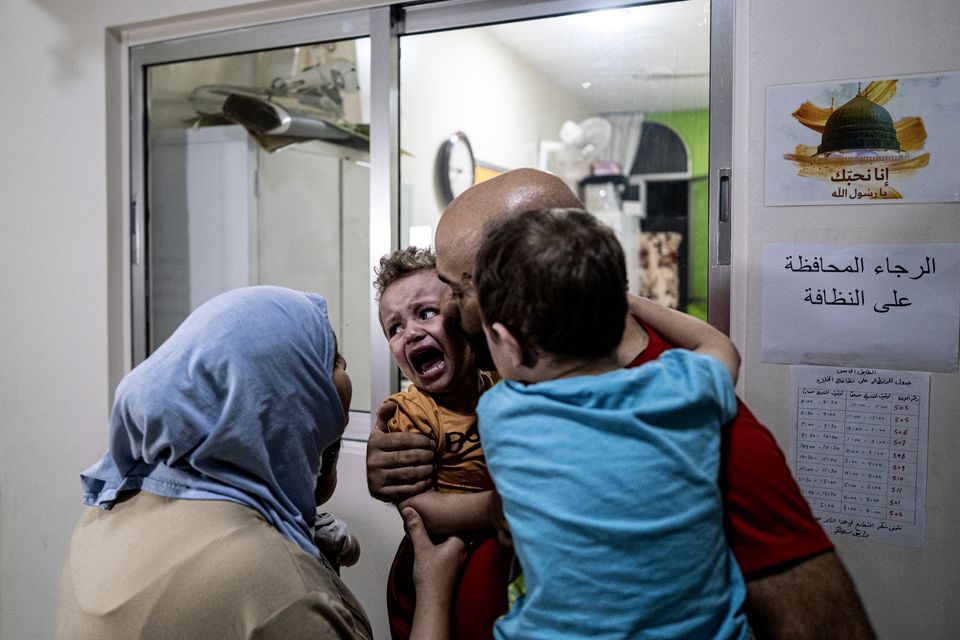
864 141
891 306
858 448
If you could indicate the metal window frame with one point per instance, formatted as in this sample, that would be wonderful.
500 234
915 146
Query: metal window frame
287 33
721 156
384 25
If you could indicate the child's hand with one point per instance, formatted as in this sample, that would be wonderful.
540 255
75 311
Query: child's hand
340 547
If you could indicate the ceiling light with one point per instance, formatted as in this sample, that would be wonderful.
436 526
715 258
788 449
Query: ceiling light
604 20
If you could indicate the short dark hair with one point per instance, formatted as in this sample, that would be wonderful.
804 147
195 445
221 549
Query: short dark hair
400 263
556 278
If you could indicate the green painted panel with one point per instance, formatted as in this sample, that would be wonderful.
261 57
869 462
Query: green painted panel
694 128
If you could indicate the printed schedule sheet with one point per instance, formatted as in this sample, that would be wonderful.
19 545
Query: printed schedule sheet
859 450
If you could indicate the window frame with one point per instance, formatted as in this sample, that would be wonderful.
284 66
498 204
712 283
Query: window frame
384 25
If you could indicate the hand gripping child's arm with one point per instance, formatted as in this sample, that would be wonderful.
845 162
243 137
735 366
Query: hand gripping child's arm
448 512
442 512
436 570
399 465
687 332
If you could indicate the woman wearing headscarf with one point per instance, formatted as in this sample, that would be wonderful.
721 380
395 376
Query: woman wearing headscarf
202 511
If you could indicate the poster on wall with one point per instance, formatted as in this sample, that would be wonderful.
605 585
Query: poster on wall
892 306
864 141
859 450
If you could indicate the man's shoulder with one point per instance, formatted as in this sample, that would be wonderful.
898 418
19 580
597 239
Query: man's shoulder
655 346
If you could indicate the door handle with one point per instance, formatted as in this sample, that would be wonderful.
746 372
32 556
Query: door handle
723 217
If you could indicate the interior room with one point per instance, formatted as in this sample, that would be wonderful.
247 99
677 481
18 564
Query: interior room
167 152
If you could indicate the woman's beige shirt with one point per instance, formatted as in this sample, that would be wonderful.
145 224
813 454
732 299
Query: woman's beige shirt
159 568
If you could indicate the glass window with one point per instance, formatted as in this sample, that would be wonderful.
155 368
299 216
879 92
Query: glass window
616 102
253 165
257 172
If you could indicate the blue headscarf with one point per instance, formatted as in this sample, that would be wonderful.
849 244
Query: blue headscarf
238 404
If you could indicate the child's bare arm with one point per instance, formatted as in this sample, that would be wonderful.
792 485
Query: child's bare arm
444 512
687 332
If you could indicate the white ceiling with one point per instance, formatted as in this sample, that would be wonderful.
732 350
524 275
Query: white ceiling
646 58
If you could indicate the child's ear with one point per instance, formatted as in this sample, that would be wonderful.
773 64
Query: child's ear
508 343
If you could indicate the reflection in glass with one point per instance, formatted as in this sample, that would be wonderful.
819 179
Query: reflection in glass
615 102
258 174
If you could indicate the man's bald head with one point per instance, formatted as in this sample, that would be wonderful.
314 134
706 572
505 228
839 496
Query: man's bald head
510 193
461 227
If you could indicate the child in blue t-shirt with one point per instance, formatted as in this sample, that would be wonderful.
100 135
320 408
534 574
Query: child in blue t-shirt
608 476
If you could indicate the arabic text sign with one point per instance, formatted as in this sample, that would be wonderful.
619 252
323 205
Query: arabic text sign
891 306
870 182
859 450
911 158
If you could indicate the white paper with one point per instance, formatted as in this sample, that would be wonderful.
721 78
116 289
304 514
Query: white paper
889 306
859 450
923 170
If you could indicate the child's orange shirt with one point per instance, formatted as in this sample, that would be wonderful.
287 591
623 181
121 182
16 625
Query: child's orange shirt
461 466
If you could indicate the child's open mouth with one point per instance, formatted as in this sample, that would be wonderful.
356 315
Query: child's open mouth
428 362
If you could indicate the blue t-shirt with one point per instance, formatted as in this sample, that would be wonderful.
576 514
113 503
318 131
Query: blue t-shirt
609 484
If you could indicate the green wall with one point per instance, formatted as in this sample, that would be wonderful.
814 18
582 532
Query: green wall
694 128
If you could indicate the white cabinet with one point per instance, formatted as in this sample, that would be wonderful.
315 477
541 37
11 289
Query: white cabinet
224 213
202 208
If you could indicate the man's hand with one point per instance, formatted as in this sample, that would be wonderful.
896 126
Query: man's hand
399 465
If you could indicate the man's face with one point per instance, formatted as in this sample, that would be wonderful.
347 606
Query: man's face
427 346
461 304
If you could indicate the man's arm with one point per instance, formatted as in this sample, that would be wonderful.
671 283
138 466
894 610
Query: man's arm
399 465
811 600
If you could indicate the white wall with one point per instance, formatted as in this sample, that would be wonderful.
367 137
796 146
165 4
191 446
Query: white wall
909 593
58 350
465 80
62 330
61 335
